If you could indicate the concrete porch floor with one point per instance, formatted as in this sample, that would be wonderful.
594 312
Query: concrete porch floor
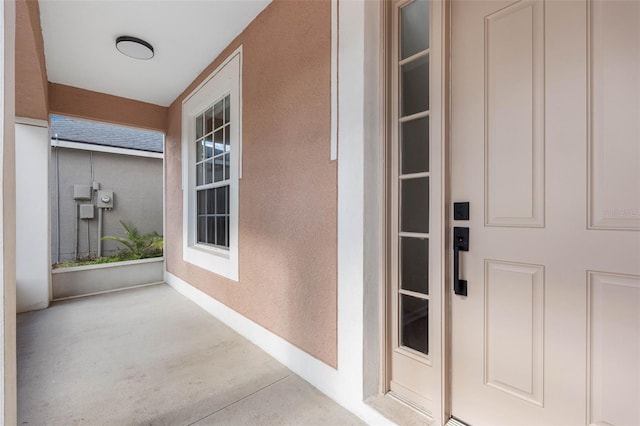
150 356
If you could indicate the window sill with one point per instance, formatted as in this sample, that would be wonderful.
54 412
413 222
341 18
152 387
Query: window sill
224 253
218 261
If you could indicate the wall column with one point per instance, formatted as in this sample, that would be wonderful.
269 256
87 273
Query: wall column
8 365
33 258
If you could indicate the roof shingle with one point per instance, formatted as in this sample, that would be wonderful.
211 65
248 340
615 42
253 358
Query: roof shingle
68 129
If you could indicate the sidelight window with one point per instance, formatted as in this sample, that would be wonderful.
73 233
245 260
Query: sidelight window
412 177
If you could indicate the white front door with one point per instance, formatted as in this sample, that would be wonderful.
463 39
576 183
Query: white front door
545 145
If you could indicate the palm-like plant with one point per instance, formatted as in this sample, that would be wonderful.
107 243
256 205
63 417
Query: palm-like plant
138 246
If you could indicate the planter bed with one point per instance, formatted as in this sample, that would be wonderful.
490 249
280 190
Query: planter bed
90 279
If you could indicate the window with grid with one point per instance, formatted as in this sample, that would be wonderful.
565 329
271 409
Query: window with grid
213 174
212 156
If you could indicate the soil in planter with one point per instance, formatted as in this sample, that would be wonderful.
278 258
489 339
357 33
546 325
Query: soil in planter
91 260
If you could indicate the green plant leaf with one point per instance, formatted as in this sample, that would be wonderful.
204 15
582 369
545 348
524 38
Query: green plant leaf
139 246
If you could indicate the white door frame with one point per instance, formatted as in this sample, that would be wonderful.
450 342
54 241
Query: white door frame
8 364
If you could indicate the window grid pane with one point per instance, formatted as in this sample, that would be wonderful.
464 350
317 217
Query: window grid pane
213 216
414 323
218 141
208 121
218 114
199 174
414 264
227 110
218 168
227 131
414 205
199 127
414 146
213 168
208 172
199 150
208 147
414 78
414 22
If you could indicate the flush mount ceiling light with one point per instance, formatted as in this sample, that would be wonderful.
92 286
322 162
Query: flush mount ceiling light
133 47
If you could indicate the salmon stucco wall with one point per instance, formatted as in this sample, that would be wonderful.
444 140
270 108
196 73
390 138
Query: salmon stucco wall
288 192
31 74
80 103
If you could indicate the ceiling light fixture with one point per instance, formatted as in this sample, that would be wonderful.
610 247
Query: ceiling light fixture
133 47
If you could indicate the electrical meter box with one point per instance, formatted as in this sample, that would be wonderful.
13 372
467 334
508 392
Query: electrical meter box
105 199
81 192
86 211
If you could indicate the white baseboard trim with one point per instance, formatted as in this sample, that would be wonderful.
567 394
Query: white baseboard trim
327 379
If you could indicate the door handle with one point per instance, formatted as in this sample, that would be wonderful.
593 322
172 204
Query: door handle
460 243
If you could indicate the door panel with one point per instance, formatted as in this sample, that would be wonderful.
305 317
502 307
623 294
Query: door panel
614 38
514 326
614 321
514 70
543 147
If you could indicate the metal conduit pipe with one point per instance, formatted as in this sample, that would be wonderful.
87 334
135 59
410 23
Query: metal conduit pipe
100 232
57 155
76 231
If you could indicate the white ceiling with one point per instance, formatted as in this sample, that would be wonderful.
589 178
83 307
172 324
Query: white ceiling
79 42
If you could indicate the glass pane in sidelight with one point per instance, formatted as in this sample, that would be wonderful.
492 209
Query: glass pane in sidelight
415 86
414 323
414 205
414 264
227 109
415 146
414 24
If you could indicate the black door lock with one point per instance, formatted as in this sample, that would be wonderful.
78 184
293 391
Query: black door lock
460 243
461 211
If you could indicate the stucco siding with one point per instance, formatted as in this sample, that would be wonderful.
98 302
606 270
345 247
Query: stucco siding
288 192
31 74
80 103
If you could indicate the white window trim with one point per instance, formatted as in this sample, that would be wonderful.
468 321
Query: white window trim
226 79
